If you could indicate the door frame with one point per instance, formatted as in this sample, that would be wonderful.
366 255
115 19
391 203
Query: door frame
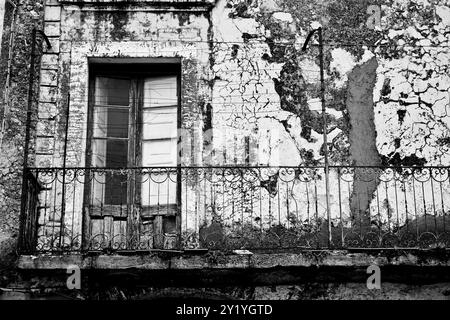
136 71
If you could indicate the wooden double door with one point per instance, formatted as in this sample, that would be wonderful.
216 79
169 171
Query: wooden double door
132 197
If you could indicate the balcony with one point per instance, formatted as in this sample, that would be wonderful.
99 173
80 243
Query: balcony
139 210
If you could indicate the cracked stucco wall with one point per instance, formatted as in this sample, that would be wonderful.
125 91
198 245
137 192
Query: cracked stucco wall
412 92
263 80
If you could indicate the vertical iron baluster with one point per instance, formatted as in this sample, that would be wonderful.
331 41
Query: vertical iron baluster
270 208
396 201
55 179
360 215
415 208
103 196
168 190
196 229
159 188
242 198
340 206
352 224
424 206
223 194
444 214
149 194
89 235
388 207
378 209
432 197
73 210
46 204
307 201
260 205
213 192
316 198
406 206
186 201
251 200
287 203
297 213
278 199
369 196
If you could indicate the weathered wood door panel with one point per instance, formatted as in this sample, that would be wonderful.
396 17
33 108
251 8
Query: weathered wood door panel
134 125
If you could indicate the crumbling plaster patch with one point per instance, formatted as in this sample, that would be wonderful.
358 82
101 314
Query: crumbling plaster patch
414 79
405 110
282 25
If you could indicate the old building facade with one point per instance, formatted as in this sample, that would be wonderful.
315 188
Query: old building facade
192 129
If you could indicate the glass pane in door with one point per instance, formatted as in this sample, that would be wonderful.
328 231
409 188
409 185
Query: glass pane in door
159 142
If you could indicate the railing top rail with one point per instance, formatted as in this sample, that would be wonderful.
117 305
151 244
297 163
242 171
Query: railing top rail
237 167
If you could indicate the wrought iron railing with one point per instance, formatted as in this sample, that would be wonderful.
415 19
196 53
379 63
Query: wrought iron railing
140 209
30 219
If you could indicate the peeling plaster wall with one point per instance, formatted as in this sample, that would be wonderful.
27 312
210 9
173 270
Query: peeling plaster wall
412 91
266 87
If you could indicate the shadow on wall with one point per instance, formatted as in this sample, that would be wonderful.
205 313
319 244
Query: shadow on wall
8 257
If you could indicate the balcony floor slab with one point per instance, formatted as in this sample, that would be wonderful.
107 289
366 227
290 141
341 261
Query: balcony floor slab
255 260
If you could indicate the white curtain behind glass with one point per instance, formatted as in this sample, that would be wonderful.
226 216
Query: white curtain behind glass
159 139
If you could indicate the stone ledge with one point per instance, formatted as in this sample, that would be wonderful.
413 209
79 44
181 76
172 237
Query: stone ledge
113 2
185 261
138 5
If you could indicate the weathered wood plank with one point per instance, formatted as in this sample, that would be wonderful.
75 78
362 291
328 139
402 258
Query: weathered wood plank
166 210
117 211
